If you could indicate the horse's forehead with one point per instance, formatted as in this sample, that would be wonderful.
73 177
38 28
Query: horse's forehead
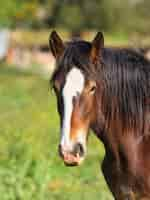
74 82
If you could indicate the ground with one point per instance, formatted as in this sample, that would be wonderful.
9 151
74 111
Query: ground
30 168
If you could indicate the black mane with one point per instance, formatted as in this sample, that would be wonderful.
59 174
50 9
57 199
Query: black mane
126 76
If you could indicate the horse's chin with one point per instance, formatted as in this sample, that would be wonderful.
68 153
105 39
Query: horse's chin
74 162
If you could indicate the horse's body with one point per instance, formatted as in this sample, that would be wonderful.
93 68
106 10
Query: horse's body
126 166
113 101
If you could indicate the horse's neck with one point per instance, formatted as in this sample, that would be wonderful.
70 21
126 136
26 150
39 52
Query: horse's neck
147 122
110 148
128 149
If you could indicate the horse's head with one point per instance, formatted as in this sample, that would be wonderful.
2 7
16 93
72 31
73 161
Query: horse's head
74 82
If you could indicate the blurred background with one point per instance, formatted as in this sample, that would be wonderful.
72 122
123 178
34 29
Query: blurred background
30 168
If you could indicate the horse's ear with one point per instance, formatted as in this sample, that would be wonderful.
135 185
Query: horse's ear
56 44
97 46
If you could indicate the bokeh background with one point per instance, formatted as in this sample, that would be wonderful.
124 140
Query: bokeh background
30 168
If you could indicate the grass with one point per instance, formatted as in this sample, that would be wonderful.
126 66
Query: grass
30 168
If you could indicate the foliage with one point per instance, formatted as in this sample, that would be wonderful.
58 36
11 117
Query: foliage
75 15
30 168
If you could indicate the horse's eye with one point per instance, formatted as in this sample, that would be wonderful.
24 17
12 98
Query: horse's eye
92 89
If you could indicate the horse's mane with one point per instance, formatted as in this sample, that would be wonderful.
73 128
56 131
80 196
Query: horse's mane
125 76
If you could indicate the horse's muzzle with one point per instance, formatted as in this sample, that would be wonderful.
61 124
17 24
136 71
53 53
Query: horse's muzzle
74 157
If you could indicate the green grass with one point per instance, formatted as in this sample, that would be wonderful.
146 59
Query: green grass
30 168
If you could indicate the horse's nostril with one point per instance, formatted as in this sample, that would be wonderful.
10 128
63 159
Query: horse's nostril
78 149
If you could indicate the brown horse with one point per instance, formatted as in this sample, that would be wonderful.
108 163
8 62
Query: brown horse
108 91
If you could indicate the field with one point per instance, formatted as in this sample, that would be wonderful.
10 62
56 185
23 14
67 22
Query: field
30 168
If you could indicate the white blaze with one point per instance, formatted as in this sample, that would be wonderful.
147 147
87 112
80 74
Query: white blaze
74 85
